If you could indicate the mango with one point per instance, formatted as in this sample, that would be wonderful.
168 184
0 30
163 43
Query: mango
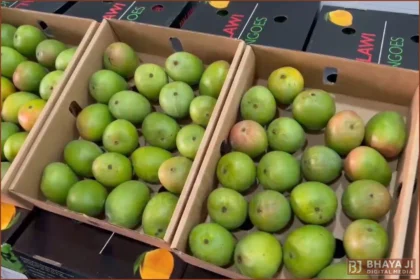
278 171
286 134
93 120
28 76
47 52
147 161
160 130
344 132
30 112
201 109
125 204
158 213
321 164
307 250
27 38
367 163
80 154
13 145
103 84
313 109
129 105
248 137
150 79
49 82
87 197
7 88
314 203
258 255
269 211
7 34
213 78
112 169
285 84
365 239
227 207
173 173
188 140
7 129
10 59
184 67
338 271
258 104
386 133
120 136
12 105
366 199
175 99
57 179
64 58
122 59
212 243
236 171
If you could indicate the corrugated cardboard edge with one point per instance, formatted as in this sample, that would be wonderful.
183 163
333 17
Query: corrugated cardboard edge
407 175
7 196
165 243
185 195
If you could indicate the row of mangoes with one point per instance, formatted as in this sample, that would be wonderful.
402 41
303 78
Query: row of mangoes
31 67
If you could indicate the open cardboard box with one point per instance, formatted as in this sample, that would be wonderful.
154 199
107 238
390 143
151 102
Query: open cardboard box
73 32
362 87
154 45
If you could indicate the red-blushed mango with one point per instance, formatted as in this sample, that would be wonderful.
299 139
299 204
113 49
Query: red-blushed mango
345 131
12 105
30 112
28 76
248 137
122 59
365 239
93 120
173 173
386 133
367 163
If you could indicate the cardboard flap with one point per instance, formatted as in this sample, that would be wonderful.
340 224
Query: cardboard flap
158 41
396 85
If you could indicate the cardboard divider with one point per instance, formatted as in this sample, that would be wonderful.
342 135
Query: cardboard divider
153 46
367 89
69 30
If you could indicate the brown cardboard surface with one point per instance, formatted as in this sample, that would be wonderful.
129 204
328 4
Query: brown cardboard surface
365 88
412 244
73 32
153 45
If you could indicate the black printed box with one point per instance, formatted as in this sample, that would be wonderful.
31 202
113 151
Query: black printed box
278 24
157 13
58 7
368 36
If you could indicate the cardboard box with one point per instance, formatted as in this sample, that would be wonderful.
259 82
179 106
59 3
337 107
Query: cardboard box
154 45
412 247
373 37
120 254
73 32
56 247
46 7
278 24
364 88
157 13
9 237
